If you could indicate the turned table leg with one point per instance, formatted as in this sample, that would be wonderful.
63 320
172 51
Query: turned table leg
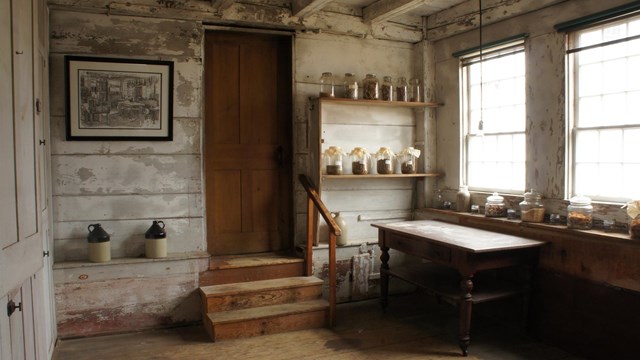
384 277
466 285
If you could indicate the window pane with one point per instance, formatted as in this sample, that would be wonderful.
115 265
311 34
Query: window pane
607 89
495 160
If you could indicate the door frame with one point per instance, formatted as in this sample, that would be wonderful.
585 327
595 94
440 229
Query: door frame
289 158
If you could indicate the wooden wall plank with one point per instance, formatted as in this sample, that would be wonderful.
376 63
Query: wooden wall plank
125 174
123 207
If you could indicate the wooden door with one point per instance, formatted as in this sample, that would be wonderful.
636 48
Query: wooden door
248 142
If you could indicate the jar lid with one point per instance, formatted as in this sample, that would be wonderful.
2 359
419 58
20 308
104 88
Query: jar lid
359 151
387 78
327 74
580 200
371 75
532 195
385 151
410 151
495 198
333 150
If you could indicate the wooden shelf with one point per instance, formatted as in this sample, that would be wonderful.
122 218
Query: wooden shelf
408 104
445 282
377 176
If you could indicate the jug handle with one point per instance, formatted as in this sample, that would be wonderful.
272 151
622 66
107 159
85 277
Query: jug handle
161 222
89 227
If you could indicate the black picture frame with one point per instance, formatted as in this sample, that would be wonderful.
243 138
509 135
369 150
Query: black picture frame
118 99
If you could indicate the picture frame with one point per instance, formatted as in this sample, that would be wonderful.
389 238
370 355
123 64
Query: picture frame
118 99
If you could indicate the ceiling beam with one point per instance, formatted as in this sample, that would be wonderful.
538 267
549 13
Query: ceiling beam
221 5
305 8
384 10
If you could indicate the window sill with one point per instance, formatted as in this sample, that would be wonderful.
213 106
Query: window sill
138 260
538 231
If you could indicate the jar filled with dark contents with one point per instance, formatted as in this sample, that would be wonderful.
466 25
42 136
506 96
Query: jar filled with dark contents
333 160
495 206
580 213
386 90
384 161
633 211
408 160
350 86
360 159
370 87
402 90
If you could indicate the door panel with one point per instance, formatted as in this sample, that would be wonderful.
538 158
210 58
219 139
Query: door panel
247 142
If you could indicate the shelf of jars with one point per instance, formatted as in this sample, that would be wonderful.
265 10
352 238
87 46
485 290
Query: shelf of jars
378 176
393 103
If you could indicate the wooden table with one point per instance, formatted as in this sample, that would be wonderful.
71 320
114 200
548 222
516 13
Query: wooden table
456 254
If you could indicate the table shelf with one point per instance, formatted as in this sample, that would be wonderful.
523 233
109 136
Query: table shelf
444 282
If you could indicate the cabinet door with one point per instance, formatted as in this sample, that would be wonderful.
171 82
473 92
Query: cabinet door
21 238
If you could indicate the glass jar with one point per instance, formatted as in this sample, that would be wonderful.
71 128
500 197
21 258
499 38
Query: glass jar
360 159
580 213
386 90
402 90
384 161
415 90
495 206
333 160
463 199
407 159
326 85
350 86
531 209
438 199
370 87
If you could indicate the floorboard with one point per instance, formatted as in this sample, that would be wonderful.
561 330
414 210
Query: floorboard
413 327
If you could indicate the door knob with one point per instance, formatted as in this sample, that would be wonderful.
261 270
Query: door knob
12 307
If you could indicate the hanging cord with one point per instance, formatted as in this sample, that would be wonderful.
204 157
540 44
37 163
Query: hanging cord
481 123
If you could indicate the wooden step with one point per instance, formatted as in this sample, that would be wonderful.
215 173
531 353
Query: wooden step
237 296
267 320
231 269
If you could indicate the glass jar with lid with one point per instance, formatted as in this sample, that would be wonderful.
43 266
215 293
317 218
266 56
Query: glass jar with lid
384 161
370 87
415 90
495 206
360 160
407 159
333 160
386 90
326 85
531 209
580 213
350 86
402 90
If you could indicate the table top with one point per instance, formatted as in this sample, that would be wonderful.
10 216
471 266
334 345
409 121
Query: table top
457 236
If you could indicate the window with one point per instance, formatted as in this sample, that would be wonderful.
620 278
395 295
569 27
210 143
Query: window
604 112
493 100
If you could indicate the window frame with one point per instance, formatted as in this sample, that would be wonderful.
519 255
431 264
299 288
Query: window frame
572 105
507 47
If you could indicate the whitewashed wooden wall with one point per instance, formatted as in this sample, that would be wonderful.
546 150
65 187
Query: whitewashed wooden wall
545 67
126 185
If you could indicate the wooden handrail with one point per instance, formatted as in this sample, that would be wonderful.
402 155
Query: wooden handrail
313 200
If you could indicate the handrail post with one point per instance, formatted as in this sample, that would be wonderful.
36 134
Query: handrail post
332 279
310 227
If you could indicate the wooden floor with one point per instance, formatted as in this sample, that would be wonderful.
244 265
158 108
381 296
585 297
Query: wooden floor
413 327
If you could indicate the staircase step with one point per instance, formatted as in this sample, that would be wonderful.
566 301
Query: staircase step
236 296
231 269
267 320
251 260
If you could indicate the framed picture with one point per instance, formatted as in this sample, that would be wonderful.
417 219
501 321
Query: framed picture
118 99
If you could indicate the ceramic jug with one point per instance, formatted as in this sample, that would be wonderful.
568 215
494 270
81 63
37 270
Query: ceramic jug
99 244
155 244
